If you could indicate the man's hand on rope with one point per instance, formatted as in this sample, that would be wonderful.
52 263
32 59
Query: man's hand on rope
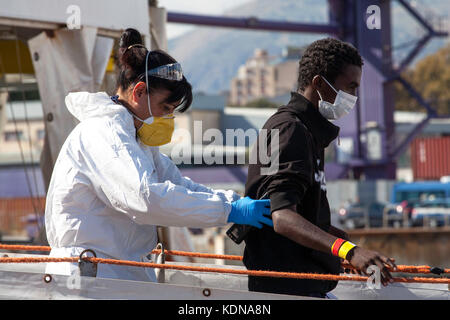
362 258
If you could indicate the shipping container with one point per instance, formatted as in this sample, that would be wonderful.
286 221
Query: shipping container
14 213
430 158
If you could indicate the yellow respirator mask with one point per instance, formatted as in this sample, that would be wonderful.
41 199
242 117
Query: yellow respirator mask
158 132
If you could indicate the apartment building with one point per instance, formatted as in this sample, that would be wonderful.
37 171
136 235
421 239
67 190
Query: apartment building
22 132
263 76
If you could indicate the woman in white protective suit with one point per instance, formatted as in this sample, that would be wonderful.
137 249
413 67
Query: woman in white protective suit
111 186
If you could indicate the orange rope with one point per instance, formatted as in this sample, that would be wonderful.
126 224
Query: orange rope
259 273
404 268
156 251
22 247
199 255
400 268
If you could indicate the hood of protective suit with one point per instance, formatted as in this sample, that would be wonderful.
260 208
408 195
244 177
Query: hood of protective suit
85 105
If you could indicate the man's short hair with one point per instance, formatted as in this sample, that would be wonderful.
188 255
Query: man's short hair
326 57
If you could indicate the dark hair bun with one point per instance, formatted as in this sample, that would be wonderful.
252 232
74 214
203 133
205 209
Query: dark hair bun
133 58
129 57
129 37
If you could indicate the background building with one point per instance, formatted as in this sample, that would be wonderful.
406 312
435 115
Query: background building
22 134
264 77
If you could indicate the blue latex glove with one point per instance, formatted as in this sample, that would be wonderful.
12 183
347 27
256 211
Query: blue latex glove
250 212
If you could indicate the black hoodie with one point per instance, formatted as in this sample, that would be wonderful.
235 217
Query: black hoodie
303 135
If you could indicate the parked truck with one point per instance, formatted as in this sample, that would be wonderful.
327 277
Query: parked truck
423 202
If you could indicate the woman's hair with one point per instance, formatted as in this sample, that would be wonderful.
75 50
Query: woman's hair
131 64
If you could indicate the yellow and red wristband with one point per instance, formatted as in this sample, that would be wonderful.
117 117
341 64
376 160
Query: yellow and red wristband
341 248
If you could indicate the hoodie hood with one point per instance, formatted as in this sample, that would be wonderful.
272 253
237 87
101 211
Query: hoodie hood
85 105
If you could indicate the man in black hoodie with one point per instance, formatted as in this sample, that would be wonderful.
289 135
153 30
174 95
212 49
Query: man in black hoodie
303 239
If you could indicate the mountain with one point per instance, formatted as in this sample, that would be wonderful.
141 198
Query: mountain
210 56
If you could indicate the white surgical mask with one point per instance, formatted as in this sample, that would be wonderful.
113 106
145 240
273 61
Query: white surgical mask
342 105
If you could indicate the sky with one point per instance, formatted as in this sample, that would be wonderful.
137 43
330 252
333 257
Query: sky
212 7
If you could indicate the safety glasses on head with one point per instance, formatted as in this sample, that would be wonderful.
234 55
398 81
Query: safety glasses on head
169 72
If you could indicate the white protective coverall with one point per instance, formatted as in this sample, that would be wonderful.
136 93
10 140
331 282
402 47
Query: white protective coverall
108 192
